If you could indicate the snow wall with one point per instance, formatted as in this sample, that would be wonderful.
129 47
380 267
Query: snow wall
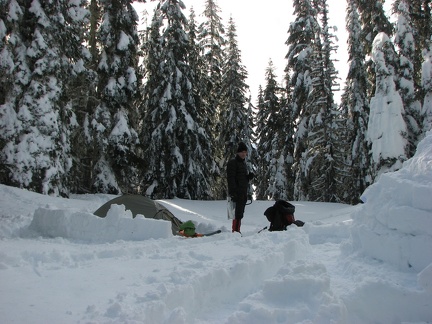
395 222
117 225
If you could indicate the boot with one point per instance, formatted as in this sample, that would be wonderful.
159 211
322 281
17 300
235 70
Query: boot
236 225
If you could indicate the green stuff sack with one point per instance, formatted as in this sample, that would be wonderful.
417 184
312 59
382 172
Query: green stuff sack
188 228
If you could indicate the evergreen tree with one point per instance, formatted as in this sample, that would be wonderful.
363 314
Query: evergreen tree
176 147
235 121
11 49
320 157
356 107
271 136
404 40
212 44
427 88
197 65
386 128
260 180
287 150
112 123
6 55
374 21
45 45
301 37
251 134
198 68
81 95
421 18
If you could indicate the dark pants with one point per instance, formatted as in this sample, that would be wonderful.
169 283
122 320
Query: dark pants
240 208
239 211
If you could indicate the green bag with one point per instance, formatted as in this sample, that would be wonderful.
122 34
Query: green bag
188 228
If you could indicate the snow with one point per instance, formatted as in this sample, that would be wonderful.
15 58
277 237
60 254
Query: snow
427 85
124 42
369 263
386 126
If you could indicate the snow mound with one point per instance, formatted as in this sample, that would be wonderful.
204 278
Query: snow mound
117 225
395 223
300 289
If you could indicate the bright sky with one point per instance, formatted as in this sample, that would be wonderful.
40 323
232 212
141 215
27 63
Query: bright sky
262 32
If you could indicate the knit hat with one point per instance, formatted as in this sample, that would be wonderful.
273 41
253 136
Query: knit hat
242 147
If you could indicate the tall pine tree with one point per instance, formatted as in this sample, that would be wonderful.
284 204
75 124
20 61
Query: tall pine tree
176 147
355 106
427 88
45 46
404 40
301 37
320 157
112 122
212 42
236 124
374 21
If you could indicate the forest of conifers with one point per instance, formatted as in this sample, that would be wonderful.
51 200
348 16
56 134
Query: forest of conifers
89 104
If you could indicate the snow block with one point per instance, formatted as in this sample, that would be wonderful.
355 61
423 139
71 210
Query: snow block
118 225
424 278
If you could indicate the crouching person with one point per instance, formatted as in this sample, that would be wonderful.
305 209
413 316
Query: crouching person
281 215
187 229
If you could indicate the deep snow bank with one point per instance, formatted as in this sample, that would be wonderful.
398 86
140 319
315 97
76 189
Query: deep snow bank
117 225
395 223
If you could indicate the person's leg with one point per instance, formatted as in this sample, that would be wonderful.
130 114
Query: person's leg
239 212
236 223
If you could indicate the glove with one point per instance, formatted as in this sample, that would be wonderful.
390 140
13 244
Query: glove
251 176
249 197
233 198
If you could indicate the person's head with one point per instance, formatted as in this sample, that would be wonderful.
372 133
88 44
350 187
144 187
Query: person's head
242 150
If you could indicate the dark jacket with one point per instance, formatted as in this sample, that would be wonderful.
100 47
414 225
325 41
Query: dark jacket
281 215
238 180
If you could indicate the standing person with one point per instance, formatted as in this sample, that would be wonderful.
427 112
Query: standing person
238 183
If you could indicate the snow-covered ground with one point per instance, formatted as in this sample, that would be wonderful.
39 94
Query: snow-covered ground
370 263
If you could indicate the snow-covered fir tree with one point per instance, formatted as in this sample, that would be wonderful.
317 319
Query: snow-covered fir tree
301 36
6 55
271 140
421 19
82 94
197 63
211 40
287 137
251 134
404 40
199 74
260 180
235 122
355 107
320 157
112 123
177 150
44 46
268 102
374 21
387 130
11 68
427 88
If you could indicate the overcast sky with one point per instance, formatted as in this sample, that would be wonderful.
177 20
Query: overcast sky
262 32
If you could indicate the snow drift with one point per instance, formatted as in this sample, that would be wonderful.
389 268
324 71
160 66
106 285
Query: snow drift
395 223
